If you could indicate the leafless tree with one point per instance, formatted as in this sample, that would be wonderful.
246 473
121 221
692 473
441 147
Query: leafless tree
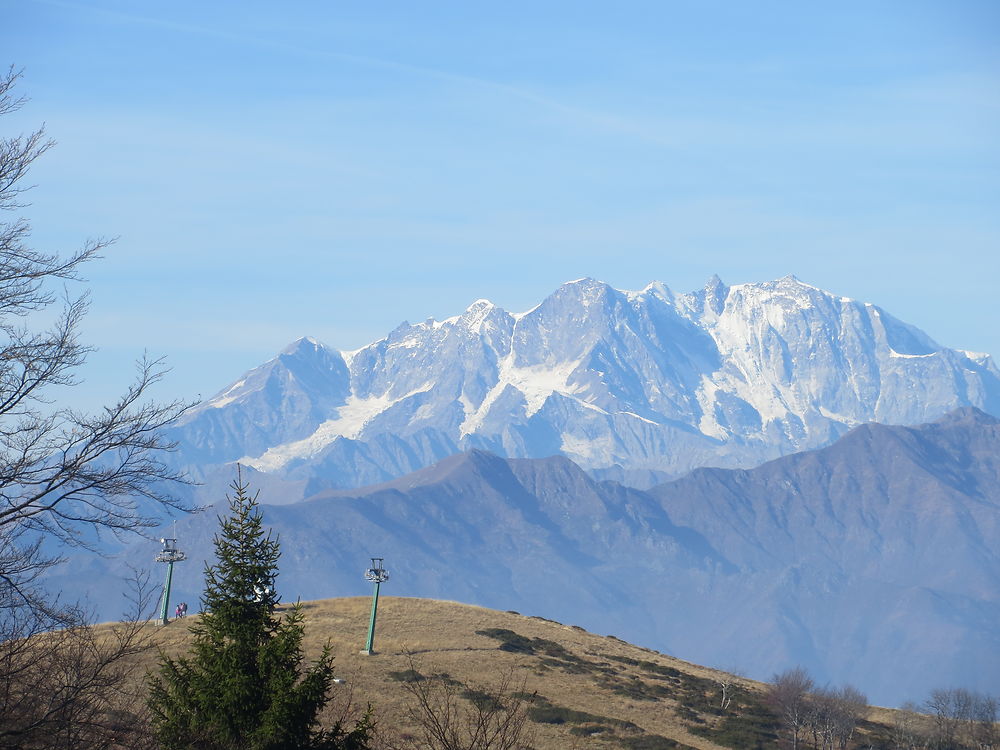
788 694
908 730
74 687
850 708
60 469
984 723
821 711
962 718
943 709
65 476
832 715
450 715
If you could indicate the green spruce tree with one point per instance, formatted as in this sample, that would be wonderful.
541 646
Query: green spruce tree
242 685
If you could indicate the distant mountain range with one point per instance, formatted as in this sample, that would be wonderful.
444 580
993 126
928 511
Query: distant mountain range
874 560
634 386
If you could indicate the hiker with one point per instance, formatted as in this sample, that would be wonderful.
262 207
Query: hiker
184 609
177 612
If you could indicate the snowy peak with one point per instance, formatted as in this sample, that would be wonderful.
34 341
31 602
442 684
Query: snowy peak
585 293
303 361
715 294
783 295
304 346
484 314
568 323
283 399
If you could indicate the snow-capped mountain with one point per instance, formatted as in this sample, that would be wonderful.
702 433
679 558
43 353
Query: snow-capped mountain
632 385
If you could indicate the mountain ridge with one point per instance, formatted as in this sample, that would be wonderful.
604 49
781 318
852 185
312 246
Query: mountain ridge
638 386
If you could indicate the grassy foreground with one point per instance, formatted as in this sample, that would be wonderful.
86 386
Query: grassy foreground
590 691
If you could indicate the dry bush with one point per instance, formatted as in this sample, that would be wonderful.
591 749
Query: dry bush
450 715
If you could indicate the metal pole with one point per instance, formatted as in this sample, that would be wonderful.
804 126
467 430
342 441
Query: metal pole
371 623
166 594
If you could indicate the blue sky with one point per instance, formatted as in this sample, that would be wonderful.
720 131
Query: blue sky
331 169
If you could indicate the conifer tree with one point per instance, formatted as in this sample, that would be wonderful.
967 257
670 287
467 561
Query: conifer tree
242 685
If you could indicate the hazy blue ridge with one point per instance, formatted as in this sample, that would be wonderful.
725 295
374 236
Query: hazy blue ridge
873 561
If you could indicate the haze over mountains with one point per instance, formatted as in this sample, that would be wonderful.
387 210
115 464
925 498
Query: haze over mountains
638 386
871 557
872 561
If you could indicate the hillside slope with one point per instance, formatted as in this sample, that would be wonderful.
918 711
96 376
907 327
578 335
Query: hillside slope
591 691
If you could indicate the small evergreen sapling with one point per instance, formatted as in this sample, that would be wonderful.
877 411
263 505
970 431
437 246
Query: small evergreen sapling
242 685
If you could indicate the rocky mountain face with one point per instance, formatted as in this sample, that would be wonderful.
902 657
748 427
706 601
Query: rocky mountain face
635 386
873 561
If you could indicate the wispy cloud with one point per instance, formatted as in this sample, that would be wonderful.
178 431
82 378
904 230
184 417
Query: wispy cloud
660 131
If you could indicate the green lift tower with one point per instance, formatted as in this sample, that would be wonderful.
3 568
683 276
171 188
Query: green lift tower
377 575
169 555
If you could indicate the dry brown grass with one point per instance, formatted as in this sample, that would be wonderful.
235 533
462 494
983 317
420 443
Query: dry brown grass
440 637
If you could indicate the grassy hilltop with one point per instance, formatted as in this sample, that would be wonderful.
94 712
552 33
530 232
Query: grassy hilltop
582 690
